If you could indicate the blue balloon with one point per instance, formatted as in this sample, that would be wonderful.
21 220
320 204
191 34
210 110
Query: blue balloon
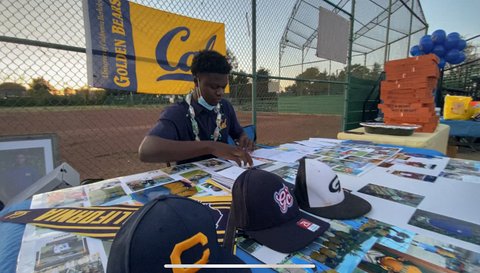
442 63
439 36
452 55
415 51
461 45
460 59
439 50
426 44
452 40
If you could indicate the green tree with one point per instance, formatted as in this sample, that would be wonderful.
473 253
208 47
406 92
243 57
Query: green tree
376 71
40 88
262 82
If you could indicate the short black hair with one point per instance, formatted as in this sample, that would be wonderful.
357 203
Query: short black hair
210 61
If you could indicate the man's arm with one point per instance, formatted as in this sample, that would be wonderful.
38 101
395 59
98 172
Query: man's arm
157 149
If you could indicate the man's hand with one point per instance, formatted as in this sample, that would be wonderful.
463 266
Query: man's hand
245 143
236 154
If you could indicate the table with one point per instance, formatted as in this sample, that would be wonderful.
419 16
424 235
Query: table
447 197
437 140
466 130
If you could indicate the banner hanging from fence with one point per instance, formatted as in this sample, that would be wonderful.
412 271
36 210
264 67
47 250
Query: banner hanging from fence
135 48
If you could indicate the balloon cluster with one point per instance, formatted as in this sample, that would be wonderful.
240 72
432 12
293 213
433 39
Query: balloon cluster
449 48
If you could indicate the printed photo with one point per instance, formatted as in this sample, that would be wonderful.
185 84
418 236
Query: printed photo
179 168
388 235
60 251
445 225
385 164
137 185
339 248
106 193
382 259
196 176
462 170
402 197
69 197
181 188
412 175
347 170
445 255
214 164
288 173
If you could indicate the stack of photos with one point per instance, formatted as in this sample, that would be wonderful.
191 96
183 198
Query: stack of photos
401 250
416 167
368 245
462 170
62 253
340 248
354 159
204 183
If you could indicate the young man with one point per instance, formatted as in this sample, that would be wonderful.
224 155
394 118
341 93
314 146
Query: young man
198 127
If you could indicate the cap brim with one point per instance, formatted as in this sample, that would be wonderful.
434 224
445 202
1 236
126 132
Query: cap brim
351 207
289 237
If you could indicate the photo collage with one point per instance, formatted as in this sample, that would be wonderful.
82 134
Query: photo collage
367 245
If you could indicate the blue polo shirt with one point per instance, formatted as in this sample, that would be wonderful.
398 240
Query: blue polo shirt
174 123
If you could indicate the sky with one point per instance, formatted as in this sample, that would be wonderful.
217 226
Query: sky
64 69
462 16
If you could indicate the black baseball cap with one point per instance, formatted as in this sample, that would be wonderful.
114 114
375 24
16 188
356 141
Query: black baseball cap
265 210
169 230
318 191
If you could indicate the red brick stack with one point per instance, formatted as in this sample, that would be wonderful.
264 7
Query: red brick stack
408 92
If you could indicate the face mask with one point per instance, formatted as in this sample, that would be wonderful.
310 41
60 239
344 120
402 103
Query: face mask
201 99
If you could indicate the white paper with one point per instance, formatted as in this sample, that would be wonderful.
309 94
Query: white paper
325 140
268 255
256 162
232 172
299 148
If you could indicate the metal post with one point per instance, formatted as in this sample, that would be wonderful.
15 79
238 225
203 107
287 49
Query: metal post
254 62
410 30
330 76
349 64
303 58
388 31
279 60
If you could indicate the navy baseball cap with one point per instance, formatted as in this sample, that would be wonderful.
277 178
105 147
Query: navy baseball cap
169 230
318 191
265 210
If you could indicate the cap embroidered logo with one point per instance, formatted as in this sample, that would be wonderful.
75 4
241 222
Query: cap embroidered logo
284 199
176 255
334 185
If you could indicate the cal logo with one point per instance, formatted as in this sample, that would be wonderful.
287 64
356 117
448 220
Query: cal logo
141 49
180 248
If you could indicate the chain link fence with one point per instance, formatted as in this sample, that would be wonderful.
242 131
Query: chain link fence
43 75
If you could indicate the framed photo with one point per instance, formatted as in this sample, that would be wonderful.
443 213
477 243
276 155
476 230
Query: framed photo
24 160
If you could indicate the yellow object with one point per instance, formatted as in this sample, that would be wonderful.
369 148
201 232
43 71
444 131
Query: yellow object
158 34
457 108
437 140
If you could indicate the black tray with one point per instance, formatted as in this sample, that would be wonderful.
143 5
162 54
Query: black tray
389 129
